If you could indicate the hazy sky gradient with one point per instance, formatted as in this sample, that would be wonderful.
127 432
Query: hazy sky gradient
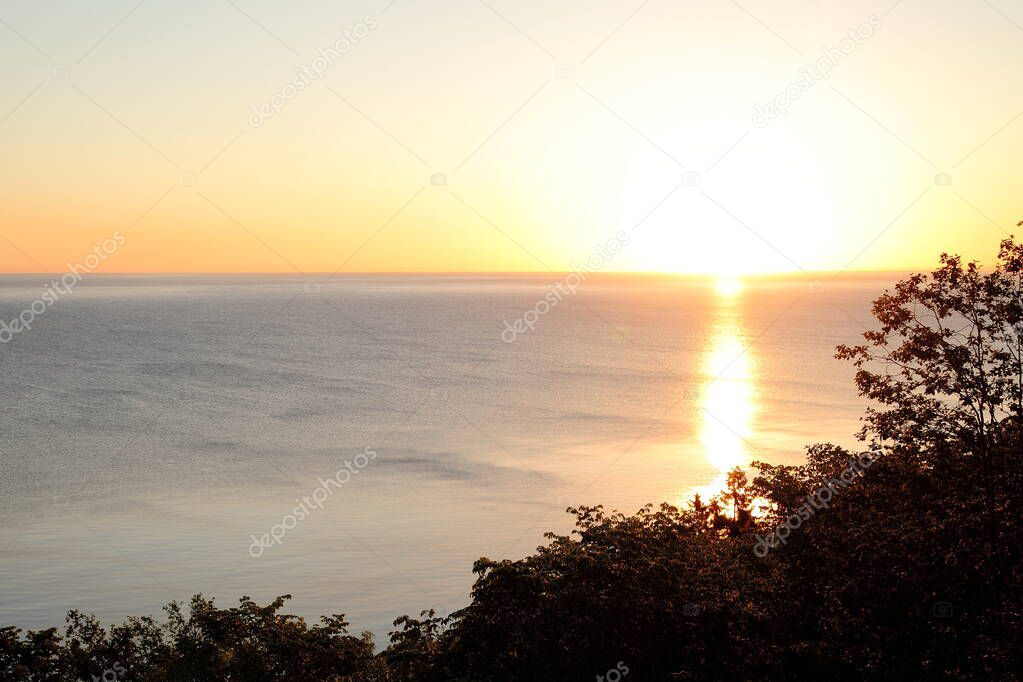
540 169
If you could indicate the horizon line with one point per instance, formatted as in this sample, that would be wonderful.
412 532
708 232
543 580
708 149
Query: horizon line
467 273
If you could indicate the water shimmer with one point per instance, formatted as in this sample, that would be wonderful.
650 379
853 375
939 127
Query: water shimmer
152 425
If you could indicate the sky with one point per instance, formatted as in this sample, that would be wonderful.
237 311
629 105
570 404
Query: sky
492 135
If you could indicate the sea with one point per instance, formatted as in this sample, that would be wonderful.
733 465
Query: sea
358 441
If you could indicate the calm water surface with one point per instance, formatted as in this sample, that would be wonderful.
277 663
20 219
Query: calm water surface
151 426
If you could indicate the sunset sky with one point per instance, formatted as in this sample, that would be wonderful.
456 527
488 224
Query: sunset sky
555 125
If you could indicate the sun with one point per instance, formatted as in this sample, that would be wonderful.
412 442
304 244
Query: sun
728 287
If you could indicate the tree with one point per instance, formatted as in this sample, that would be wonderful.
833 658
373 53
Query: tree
946 363
945 368
416 644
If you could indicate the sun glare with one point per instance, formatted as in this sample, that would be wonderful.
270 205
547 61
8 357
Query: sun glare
728 286
728 402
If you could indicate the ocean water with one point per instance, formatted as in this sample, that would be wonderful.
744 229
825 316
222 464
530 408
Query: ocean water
152 426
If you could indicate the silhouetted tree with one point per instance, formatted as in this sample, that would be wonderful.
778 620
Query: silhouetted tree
945 372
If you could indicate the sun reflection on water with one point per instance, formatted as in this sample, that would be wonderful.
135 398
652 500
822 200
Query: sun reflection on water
728 287
727 401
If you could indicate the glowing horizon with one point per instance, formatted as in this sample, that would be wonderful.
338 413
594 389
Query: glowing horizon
505 137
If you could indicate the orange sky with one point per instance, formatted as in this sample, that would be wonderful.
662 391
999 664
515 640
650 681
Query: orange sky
462 136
